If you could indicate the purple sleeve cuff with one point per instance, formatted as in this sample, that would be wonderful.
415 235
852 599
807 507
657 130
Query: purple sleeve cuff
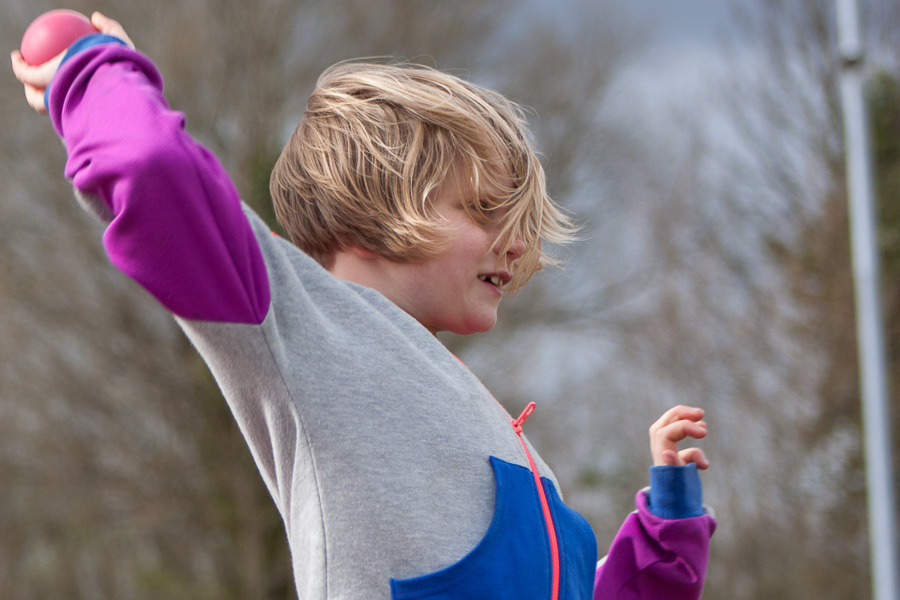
656 558
83 44
175 221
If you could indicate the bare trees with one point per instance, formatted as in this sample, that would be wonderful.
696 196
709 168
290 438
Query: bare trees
713 271
724 281
751 313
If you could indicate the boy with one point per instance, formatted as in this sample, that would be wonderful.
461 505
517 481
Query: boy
416 202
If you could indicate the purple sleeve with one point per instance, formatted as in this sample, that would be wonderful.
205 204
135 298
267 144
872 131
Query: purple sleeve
651 557
175 221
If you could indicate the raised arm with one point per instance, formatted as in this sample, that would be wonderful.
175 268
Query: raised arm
175 222
662 549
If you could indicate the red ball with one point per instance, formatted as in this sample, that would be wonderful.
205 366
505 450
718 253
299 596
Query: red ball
53 32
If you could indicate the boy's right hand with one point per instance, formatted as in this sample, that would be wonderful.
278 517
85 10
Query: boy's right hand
676 425
37 78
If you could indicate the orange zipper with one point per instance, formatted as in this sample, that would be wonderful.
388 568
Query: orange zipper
545 505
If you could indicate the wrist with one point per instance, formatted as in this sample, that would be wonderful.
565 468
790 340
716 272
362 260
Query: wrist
675 492
80 45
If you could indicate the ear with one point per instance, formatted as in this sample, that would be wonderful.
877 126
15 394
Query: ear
353 263
363 253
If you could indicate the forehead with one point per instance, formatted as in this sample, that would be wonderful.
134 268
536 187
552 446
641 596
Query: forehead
482 193
486 179
486 198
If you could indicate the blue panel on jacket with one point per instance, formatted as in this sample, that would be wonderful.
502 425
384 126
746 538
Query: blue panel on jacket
512 561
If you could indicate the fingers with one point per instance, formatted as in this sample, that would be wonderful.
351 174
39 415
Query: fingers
680 430
35 79
693 455
676 425
37 76
678 413
35 99
104 24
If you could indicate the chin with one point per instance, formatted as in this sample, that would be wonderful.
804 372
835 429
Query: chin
479 325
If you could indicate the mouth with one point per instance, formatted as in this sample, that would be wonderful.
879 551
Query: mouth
498 280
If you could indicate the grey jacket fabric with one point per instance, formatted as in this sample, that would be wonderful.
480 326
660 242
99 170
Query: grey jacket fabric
361 422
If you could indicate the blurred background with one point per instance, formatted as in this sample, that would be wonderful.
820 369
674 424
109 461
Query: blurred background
698 143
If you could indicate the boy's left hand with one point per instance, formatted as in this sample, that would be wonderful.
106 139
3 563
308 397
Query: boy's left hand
37 78
676 425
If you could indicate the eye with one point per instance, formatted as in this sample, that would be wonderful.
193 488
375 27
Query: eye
483 211
484 207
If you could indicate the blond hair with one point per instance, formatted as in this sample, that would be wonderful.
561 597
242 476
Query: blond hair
377 140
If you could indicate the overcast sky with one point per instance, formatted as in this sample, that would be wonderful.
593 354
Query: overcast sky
682 24
683 50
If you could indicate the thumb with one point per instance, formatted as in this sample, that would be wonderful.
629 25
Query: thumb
108 26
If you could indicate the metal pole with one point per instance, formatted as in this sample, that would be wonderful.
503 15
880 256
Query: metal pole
873 377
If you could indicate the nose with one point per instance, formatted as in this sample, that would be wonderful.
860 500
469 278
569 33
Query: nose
515 250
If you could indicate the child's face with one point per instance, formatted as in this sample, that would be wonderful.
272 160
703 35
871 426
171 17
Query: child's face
458 289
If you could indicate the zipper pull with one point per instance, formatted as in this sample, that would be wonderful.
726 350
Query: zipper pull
517 424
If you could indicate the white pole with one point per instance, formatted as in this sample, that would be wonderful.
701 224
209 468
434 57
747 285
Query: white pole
873 377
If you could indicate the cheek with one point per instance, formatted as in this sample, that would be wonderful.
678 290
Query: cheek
474 244
464 257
